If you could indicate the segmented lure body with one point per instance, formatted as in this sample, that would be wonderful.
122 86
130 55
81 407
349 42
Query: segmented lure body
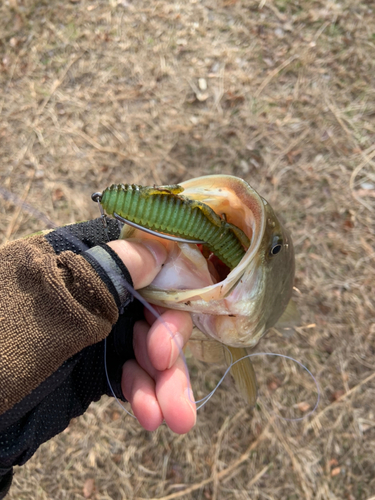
164 209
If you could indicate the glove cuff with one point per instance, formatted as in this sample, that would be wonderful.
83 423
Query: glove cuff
112 271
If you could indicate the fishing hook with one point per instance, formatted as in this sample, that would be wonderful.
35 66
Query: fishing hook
97 198
156 233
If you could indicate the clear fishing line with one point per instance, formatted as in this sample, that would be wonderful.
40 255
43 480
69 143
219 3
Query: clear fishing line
301 365
16 200
204 400
209 396
153 311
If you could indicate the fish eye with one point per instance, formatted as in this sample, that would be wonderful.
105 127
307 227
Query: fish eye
277 245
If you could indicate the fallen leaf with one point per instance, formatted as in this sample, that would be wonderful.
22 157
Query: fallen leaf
348 224
293 155
88 487
274 384
324 308
365 192
326 346
117 458
335 472
337 395
303 406
231 100
58 194
116 415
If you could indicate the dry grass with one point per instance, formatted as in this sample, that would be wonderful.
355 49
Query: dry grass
100 92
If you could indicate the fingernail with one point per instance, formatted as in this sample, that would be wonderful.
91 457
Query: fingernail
157 249
191 401
177 343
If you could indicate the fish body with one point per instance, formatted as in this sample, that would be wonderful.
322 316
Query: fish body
236 308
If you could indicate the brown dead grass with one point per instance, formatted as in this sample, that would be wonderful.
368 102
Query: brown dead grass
99 92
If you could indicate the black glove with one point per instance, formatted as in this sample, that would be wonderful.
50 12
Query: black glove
68 392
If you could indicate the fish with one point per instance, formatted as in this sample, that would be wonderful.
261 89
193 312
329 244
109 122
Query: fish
232 307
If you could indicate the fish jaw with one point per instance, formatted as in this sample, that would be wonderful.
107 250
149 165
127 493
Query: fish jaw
238 331
233 318
238 321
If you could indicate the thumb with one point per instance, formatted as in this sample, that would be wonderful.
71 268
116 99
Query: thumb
143 259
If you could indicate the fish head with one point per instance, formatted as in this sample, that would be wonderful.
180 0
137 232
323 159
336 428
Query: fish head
275 259
238 307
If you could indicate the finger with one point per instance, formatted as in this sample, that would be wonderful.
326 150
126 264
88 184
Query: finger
139 389
167 337
176 398
143 259
172 385
140 332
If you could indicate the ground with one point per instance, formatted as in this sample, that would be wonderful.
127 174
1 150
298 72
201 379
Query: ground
278 92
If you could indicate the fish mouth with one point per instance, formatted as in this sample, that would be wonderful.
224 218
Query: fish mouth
242 206
218 270
236 201
226 304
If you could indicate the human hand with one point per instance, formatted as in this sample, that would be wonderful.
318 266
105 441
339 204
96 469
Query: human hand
156 383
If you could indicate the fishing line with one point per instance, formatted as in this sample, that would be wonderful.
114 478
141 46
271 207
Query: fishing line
153 311
209 396
204 400
8 196
181 353
295 361
16 200
109 383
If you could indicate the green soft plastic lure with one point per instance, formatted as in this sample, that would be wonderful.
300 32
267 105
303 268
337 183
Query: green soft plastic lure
165 209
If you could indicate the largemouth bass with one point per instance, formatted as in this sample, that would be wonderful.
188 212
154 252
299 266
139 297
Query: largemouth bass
230 305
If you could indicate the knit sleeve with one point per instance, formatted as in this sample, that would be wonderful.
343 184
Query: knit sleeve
52 306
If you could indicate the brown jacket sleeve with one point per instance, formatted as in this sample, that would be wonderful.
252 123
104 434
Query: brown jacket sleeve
51 307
